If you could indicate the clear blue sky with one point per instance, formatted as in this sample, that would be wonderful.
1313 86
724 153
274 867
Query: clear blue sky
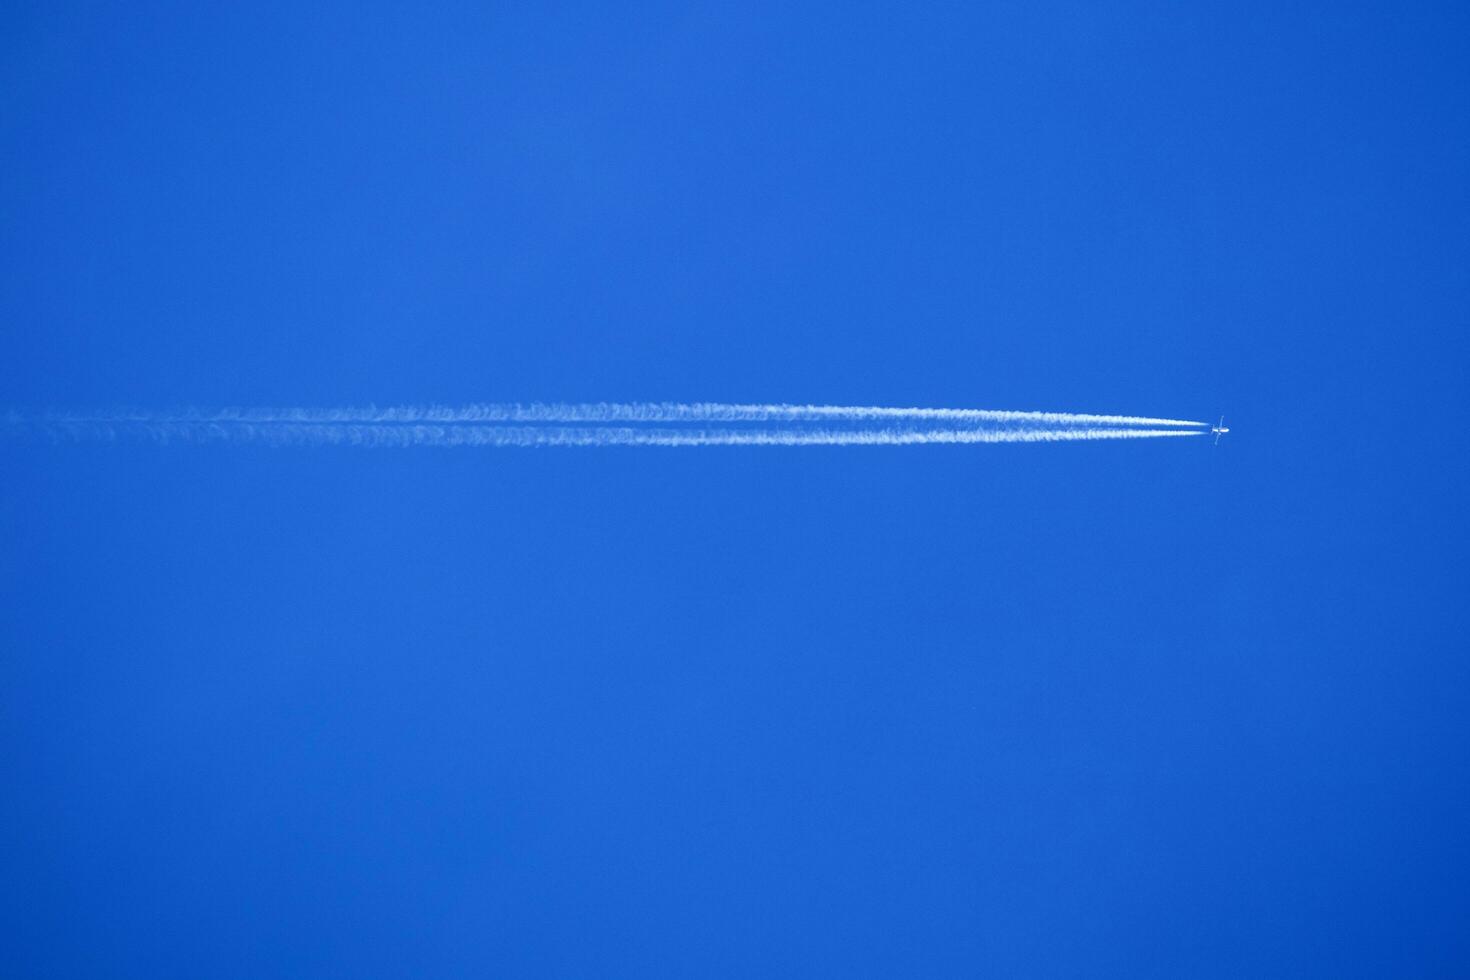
1149 709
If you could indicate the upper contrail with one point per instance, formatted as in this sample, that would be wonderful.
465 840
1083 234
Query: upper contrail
608 412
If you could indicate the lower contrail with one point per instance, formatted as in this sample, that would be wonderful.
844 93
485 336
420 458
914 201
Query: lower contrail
387 435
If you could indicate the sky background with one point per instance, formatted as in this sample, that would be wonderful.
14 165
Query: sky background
1143 709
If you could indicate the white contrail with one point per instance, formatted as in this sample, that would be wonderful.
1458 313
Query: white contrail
488 435
603 424
607 412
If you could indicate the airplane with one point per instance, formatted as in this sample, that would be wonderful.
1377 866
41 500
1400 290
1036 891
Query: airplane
1219 430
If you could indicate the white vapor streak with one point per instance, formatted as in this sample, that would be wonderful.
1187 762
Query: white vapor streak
404 435
603 412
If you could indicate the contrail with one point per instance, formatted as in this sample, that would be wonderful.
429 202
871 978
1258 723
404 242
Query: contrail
397 435
597 424
609 412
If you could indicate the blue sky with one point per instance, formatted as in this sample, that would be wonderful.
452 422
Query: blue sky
1149 709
